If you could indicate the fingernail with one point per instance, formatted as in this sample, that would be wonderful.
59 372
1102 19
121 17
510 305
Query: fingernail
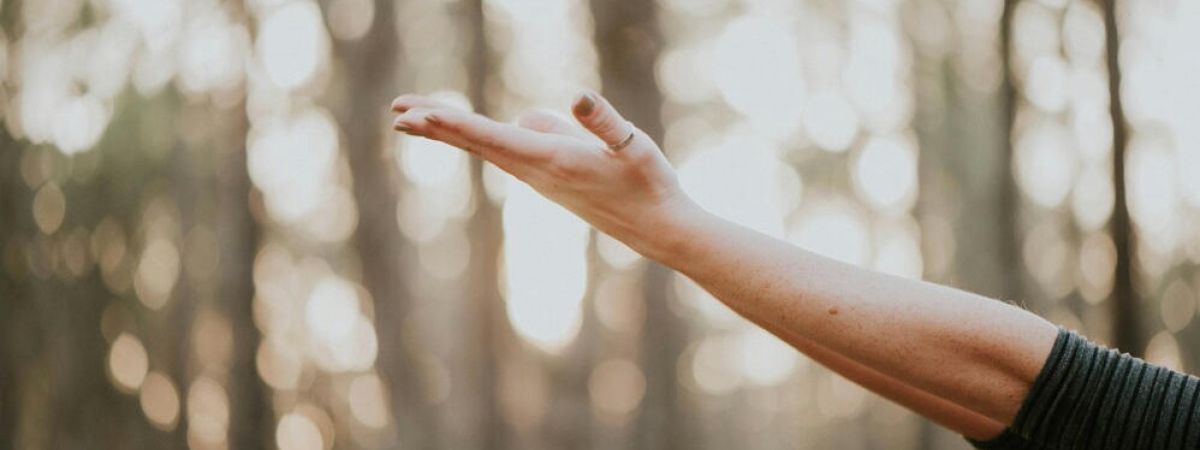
585 105
433 119
402 128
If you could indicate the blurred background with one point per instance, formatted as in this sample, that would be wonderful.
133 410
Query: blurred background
211 239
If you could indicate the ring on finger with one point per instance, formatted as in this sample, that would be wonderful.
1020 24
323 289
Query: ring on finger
624 142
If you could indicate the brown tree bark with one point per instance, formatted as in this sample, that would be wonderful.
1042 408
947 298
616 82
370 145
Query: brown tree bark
491 330
1007 240
369 67
12 285
237 232
1127 327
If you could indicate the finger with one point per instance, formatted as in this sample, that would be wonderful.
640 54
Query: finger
406 102
600 118
549 122
482 135
413 121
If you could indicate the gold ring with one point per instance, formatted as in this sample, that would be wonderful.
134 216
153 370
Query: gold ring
624 142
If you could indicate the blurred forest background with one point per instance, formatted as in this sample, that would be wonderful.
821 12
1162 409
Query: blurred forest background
211 238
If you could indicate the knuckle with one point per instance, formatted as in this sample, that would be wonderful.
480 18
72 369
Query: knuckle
640 161
606 123
636 165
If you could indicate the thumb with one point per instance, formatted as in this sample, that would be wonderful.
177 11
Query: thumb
600 118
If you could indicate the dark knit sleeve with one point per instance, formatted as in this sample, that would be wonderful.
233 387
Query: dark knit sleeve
1008 440
1091 397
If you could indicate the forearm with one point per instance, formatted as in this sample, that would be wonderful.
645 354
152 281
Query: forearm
970 350
939 410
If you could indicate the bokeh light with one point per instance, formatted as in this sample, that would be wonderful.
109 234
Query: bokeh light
292 43
615 388
747 193
160 400
298 432
543 242
367 401
157 272
886 172
764 359
128 362
207 411
756 68
49 208
834 230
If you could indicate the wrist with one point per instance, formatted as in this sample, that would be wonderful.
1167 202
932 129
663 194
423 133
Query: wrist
671 233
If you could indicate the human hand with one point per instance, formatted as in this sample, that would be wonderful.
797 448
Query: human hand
608 171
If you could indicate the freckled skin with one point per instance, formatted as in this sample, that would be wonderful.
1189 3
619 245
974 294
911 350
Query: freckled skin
960 359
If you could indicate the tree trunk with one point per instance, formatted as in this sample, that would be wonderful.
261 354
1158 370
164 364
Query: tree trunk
369 67
491 330
237 233
1127 329
12 284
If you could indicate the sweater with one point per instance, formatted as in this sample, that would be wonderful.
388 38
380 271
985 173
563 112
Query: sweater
1091 397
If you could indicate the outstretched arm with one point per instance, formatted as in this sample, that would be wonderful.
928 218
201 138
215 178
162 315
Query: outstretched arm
937 350
977 352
